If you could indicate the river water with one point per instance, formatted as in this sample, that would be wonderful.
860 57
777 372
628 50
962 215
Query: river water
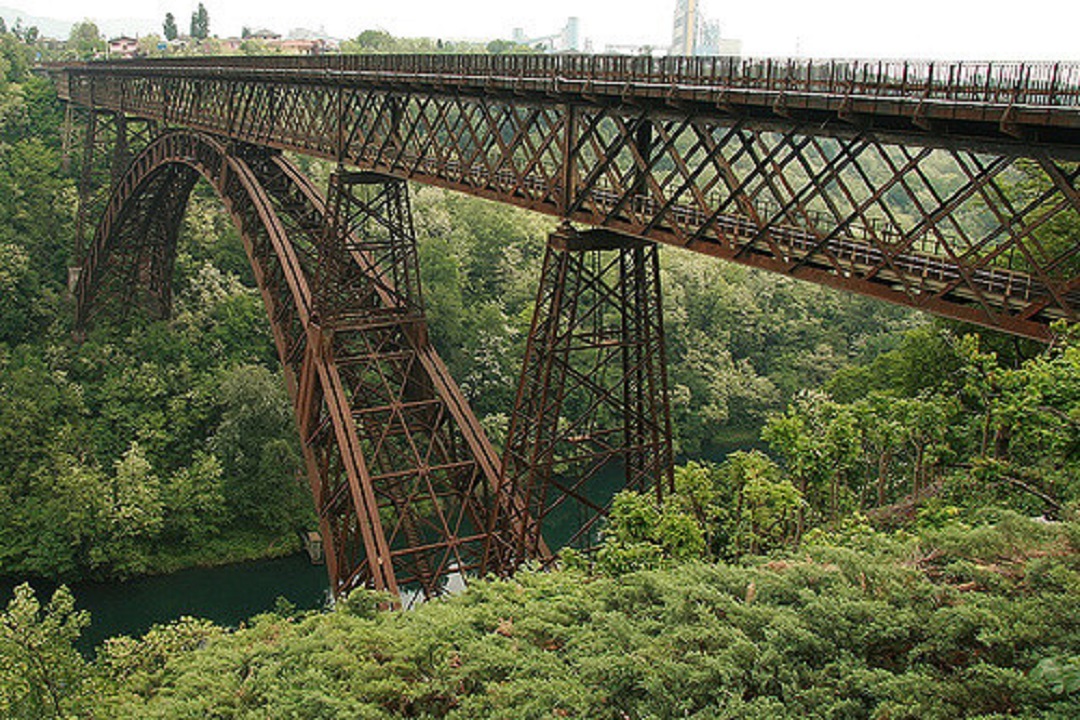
228 595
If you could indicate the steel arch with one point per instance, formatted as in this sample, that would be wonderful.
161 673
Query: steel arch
369 514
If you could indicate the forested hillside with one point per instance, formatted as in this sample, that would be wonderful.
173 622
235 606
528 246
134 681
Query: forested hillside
897 538
758 591
154 445
972 617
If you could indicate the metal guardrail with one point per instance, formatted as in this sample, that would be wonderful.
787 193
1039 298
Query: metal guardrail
1041 84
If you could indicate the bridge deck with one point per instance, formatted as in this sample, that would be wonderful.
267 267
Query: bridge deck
985 97
941 186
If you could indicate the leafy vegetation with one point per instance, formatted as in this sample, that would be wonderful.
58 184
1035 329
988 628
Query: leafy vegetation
902 543
151 445
951 623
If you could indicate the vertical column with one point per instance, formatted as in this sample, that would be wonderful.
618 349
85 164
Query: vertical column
109 141
86 212
404 478
591 414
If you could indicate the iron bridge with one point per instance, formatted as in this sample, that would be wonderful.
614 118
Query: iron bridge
947 187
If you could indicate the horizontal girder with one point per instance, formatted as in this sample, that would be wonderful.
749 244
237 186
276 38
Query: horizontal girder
952 188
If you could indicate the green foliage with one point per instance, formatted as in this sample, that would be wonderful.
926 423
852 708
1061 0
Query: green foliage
86 41
478 263
832 632
927 359
639 535
200 23
254 441
169 27
766 504
106 461
741 343
155 444
380 41
980 432
42 675
194 500
1061 674
505 47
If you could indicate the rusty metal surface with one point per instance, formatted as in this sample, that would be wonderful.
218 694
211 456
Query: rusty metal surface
949 188
400 472
107 142
973 91
952 188
592 398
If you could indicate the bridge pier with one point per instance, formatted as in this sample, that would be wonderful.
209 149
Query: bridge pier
404 482
592 394
109 140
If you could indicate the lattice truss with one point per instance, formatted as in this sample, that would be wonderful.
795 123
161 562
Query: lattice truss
980 230
102 144
981 235
980 227
427 494
591 415
399 469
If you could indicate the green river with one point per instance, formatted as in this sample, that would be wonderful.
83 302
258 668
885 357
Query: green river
228 595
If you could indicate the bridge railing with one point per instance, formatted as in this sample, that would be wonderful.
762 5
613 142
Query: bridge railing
1052 84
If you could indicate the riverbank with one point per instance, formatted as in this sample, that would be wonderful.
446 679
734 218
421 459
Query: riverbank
226 549
227 594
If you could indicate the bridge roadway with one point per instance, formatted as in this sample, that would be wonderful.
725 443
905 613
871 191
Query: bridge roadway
948 187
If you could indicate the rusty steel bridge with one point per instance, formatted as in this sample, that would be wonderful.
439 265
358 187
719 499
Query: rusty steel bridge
947 187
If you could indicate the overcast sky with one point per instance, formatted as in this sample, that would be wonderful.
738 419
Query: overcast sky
971 29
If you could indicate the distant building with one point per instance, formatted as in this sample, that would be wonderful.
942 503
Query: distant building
708 38
631 49
694 34
124 47
684 33
302 47
299 42
265 35
571 35
710 42
568 39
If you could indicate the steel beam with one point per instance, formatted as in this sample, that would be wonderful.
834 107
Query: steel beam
401 474
955 194
592 402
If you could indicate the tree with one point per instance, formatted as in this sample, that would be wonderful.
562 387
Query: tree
42 675
170 28
640 535
375 41
200 23
761 509
86 40
194 500
150 46
254 442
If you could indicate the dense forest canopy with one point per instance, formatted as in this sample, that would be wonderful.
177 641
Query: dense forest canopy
896 538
